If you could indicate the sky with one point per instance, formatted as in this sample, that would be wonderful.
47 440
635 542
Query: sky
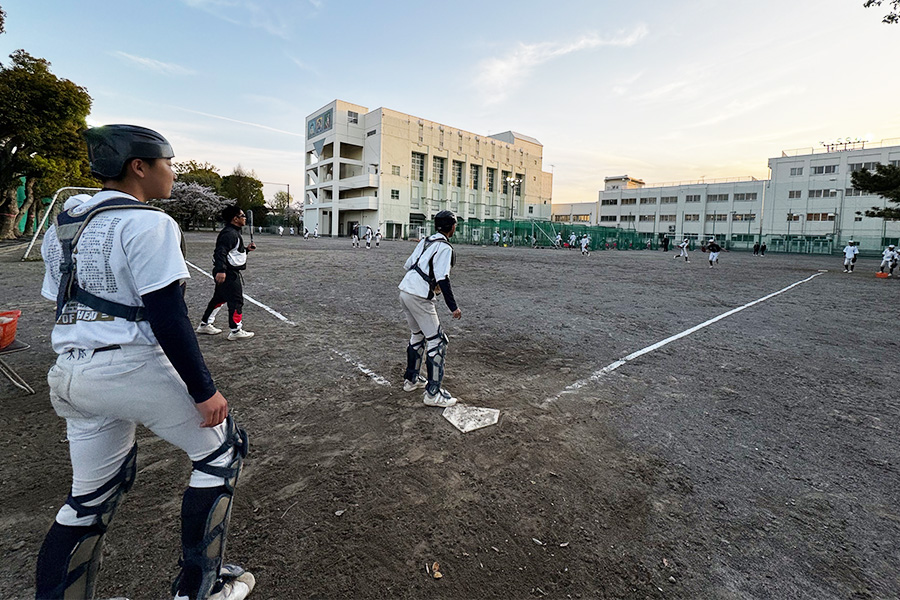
662 91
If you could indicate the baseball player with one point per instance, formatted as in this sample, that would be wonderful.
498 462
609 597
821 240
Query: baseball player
557 242
585 245
229 259
496 237
684 250
378 237
281 230
368 236
850 252
305 233
572 240
354 240
127 355
714 250
316 231
428 274
888 259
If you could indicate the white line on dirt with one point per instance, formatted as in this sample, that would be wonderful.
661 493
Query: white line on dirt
363 369
11 249
597 375
271 311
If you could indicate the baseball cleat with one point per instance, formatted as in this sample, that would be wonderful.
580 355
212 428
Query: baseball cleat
231 588
240 334
411 386
209 329
442 399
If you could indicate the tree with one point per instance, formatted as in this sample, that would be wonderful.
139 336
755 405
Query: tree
205 174
2 20
280 202
41 117
192 204
244 188
885 182
893 15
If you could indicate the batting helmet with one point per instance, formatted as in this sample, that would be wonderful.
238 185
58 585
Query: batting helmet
444 220
110 147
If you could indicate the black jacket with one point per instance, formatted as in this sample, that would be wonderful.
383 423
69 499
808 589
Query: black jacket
229 238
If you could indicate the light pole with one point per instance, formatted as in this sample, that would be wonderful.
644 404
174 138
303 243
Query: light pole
512 184
790 217
840 215
288 186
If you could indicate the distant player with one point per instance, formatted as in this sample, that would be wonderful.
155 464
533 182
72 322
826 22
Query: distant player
280 230
378 237
888 259
850 252
428 274
573 239
496 237
714 250
316 232
354 241
305 233
369 234
585 245
557 243
684 250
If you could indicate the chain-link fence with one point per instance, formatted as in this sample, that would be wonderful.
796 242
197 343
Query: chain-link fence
536 234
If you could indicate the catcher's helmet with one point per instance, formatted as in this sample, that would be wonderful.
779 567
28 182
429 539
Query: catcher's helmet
444 220
110 147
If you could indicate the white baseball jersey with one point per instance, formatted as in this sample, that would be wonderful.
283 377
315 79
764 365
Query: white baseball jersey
415 284
584 242
888 255
850 251
142 251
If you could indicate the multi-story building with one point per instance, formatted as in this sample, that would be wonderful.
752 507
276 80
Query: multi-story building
387 169
808 204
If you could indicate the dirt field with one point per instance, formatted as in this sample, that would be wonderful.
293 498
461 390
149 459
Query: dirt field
756 458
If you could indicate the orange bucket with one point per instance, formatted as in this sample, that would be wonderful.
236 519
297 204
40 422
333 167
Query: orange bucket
8 321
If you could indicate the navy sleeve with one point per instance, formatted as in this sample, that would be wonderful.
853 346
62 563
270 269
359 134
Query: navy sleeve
447 293
168 317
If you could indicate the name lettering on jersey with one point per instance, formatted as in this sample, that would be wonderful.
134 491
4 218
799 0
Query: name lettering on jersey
71 315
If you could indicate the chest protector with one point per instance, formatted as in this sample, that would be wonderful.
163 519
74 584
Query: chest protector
69 228
429 276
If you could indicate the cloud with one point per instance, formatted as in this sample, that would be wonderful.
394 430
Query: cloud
302 65
155 65
261 14
738 107
230 120
497 75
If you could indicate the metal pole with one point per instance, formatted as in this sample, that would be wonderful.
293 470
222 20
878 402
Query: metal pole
47 215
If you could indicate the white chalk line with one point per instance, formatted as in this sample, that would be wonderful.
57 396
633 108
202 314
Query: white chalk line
362 368
597 375
271 311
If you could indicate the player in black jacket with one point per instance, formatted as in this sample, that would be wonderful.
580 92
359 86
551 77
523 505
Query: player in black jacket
229 259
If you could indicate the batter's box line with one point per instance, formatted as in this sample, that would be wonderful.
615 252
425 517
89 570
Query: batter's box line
269 310
598 375
363 369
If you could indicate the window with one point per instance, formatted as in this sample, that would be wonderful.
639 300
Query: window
822 193
648 200
460 143
560 217
471 208
395 194
717 197
854 192
370 133
504 184
418 166
628 201
421 133
607 218
491 176
457 174
442 137
437 169
582 218
895 163
688 217
820 216
793 217
474 176
823 170
530 210
666 218
717 217
748 197
869 166
352 117
744 217
857 219
395 170
692 198
668 200
610 202
518 188
796 171
794 193
647 218
627 218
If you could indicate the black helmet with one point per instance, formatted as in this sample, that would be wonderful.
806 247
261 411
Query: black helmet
111 146
444 220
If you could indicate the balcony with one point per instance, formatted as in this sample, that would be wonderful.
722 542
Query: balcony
360 203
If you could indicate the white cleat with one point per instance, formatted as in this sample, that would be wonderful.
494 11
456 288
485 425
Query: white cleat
209 329
418 384
230 587
240 334
442 399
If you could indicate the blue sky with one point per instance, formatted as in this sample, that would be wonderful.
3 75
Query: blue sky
663 91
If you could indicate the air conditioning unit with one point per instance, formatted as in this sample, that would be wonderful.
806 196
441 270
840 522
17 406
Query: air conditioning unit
671 229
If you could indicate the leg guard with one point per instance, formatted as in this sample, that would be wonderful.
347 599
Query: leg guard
205 514
81 548
434 361
414 353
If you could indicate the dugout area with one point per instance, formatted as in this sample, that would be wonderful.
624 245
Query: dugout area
756 458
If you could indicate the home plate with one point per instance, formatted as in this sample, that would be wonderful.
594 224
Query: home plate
469 418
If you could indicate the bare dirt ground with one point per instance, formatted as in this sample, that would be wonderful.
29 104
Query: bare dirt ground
756 458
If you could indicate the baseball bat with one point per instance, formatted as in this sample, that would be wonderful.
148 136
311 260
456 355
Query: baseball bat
251 225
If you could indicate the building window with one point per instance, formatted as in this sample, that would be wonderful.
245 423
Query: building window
692 198
793 216
869 166
822 193
823 170
437 170
395 170
627 218
748 197
820 216
561 218
717 197
648 200
794 193
421 133
857 219
796 171
691 217
530 210
491 176
668 200
395 194
744 217
666 218
717 217
474 176
504 184
609 202
521 178
629 201
582 218
352 117
607 218
895 163
460 141
418 166
647 218
371 133
457 174
854 192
